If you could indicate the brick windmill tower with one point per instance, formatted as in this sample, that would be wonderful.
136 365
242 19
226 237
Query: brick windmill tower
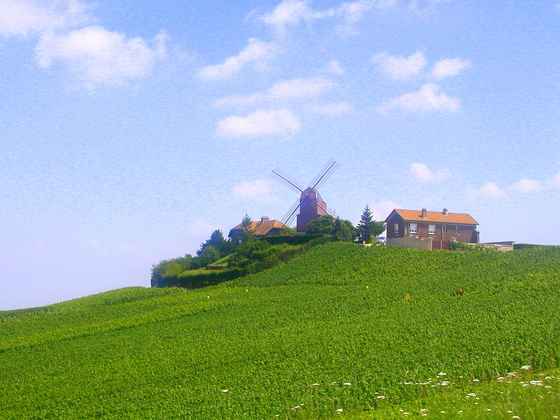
310 203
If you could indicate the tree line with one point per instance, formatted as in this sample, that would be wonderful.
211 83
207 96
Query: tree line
247 254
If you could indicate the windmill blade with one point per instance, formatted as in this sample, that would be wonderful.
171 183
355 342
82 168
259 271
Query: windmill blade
289 217
326 209
324 174
286 180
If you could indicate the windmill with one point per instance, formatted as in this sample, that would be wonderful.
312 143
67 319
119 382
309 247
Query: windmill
310 203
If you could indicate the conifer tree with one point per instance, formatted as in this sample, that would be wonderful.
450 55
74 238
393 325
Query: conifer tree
247 229
369 228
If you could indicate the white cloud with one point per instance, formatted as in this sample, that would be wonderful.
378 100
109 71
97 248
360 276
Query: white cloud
101 57
353 12
334 109
256 52
291 13
334 67
259 123
428 98
281 91
24 17
258 191
449 67
488 190
399 67
555 180
425 174
296 12
526 186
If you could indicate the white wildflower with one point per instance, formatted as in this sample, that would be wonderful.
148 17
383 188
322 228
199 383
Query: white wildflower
526 367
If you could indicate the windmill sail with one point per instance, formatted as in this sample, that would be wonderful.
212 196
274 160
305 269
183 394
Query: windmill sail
310 203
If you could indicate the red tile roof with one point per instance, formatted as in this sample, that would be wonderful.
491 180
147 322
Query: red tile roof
436 216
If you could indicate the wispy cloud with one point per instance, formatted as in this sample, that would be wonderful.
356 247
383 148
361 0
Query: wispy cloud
526 186
334 109
24 17
449 67
292 13
281 91
260 123
488 190
422 172
256 53
259 191
398 67
101 57
428 98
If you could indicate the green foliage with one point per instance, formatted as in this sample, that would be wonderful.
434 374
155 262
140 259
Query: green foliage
344 230
381 319
165 272
218 241
322 225
207 256
369 228
290 239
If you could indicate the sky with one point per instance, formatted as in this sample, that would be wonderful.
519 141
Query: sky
130 130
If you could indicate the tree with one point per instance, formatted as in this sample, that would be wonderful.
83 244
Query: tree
248 231
343 230
369 228
165 272
208 255
217 241
321 225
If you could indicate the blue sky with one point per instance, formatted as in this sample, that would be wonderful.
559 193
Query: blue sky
130 130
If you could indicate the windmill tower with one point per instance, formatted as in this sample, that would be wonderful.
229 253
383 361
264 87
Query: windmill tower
310 203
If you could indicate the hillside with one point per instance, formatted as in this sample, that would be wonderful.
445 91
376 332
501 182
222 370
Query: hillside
293 336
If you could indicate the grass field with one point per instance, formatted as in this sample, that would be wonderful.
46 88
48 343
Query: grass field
323 336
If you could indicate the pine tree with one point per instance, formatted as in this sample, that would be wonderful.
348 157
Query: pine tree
247 229
369 228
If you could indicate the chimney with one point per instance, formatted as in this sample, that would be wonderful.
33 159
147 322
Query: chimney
264 219
424 214
445 212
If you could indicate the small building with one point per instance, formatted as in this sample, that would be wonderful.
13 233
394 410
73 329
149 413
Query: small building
430 229
264 227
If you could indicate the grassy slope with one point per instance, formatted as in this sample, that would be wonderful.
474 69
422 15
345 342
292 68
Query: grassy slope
336 315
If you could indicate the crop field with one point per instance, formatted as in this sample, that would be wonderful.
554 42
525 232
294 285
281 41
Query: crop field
342 331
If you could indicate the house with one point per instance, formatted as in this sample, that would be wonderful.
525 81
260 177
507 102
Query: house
430 229
264 227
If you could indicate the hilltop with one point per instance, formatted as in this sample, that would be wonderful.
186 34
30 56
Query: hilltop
331 330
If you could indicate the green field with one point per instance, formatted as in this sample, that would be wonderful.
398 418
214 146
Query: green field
323 336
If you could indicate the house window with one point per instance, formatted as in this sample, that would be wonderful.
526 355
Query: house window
456 230
444 227
413 227
396 229
432 229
